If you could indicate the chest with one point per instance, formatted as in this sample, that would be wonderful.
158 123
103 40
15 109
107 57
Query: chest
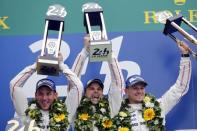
137 121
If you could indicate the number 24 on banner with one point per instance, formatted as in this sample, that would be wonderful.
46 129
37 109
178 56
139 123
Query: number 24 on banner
15 124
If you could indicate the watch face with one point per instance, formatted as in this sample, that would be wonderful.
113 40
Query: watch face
56 10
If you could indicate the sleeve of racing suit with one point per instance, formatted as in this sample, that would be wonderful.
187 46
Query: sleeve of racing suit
116 86
180 88
17 94
79 62
74 91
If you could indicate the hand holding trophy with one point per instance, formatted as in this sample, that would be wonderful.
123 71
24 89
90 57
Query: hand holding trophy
100 47
172 25
47 63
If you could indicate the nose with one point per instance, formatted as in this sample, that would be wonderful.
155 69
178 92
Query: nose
95 91
44 97
139 90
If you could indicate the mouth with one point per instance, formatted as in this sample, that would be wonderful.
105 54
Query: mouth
139 96
95 99
45 103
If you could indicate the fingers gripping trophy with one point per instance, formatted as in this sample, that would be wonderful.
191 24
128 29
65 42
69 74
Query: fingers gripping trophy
100 46
47 63
173 24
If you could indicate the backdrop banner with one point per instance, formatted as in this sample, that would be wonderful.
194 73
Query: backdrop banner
137 40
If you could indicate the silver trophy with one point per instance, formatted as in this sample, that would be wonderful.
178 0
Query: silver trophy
100 46
47 63
173 24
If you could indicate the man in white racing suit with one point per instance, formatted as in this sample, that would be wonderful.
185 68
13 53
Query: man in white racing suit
146 112
94 90
45 93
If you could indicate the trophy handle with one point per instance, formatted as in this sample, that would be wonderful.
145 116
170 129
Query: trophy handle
104 32
59 39
189 24
89 27
191 38
44 37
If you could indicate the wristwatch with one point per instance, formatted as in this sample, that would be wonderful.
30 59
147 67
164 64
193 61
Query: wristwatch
184 55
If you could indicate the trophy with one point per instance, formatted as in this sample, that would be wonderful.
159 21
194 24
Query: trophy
172 25
47 63
100 46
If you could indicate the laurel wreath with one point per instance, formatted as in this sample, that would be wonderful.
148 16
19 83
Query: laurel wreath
90 115
58 115
151 113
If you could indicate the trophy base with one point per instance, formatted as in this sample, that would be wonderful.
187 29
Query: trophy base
100 51
46 66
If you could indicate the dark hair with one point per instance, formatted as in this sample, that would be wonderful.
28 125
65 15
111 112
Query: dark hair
98 81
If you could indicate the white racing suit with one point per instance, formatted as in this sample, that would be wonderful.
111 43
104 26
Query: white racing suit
168 100
74 93
117 80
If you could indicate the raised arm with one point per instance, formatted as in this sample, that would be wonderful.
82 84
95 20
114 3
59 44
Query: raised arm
18 96
181 86
80 59
116 86
117 81
74 91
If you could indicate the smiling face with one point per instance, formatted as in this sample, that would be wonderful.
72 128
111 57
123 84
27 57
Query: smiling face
45 97
94 92
135 93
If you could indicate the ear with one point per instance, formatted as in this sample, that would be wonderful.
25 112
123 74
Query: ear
35 94
126 91
56 95
85 93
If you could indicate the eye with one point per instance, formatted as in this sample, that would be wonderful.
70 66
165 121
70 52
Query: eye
49 93
91 88
142 88
99 89
39 93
